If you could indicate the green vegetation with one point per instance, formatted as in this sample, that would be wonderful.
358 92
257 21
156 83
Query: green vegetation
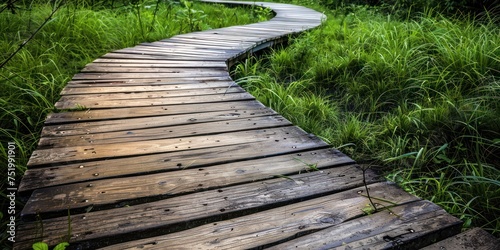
417 98
414 95
78 32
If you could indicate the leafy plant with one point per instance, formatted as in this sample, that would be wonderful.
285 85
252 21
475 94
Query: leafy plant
59 246
191 17
44 246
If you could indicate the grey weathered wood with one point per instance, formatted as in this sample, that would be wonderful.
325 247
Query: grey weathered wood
151 94
46 176
133 69
111 191
124 103
293 137
260 229
410 226
473 239
160 63
146 81
164 141
88 128
174 74
71 90
162 57
210 205
120 113
146 134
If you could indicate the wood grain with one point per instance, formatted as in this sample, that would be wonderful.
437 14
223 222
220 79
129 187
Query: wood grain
110 191
181 211
409 226
473 239
88 128
156 147
144 102
263 228
119 113
57 174
164 132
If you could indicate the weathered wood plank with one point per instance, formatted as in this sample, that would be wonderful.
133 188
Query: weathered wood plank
177 73
186 55
145 81
132 69
473 239
208 37
167 43
112 191
179 212
177 63
70 90
410 226
120 113
260 229
145 134
294 136
86 104
198 158
201 41
89 128
150 95
164 57
181 49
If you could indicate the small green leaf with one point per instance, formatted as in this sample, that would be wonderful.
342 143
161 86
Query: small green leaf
61 246
40 246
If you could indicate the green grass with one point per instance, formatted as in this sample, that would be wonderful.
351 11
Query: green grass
417 98
77 34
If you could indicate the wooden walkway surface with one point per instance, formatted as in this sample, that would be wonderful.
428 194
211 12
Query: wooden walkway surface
167 152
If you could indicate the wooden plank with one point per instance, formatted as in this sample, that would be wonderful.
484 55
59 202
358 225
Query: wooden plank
120 113
410 226
144 134
89 104
200 92
145 81
200 41
278 224
178 212
219 38
179 63
214 65
152 57
113 191
179 73
89 128
182 48
185 55
167 43
473 239
245 32
53 174
294 136
133 69
70 90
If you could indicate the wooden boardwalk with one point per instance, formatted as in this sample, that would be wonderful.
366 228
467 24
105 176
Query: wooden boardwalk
167 152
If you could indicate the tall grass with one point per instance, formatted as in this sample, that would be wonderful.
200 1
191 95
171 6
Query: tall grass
419 98
78 33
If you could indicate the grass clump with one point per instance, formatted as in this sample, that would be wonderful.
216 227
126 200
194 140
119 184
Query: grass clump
417 97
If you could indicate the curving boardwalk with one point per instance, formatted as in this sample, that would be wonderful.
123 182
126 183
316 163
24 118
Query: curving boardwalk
167 152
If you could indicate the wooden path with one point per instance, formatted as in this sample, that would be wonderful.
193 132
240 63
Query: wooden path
167 152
